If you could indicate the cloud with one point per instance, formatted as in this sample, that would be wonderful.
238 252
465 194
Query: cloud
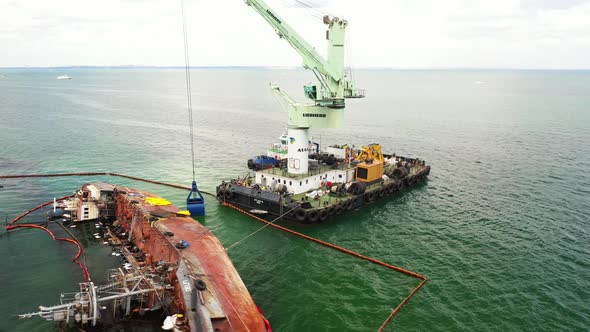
381 33
552 4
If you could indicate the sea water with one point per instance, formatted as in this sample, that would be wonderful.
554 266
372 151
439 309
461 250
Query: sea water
500 228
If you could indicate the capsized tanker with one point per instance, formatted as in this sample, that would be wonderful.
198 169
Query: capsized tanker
172 264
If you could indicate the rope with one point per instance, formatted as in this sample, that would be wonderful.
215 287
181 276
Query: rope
352 253
261 228
285 229
177 186
187 74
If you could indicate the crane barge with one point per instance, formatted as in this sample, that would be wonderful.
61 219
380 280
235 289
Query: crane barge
296 180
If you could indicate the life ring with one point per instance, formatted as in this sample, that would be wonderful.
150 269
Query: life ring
323 215
300 214
338 208
313 216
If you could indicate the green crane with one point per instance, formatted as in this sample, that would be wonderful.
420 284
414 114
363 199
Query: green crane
326 110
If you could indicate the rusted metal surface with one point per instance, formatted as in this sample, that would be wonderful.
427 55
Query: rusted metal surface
225 299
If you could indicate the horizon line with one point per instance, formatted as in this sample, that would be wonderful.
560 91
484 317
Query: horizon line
276 67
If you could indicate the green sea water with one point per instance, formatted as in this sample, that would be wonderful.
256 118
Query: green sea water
501 227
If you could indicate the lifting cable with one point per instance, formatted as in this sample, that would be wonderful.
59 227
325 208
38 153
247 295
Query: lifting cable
389 318
312 7
187 74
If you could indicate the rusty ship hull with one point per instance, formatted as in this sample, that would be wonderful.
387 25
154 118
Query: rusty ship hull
172 264
206 283
156 231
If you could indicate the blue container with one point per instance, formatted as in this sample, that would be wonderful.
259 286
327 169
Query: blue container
195 203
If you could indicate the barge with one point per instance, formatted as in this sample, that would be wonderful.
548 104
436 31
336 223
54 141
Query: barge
297 181
339 180
172 264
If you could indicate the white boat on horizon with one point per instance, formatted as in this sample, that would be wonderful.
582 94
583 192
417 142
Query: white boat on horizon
64 77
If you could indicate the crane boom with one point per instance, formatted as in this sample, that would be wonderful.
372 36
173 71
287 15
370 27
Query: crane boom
329 72
311 58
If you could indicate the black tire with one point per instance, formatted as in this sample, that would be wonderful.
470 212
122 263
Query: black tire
393 187
220 193
349 204
357 188
346 205
300 214
228 194
313 216
323 215
358 201
380 192
200 285
399 173
401 186
390 188
371 195
331 209
387 189
396 186
338 208
361 188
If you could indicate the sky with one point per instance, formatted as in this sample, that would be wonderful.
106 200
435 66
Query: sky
528 34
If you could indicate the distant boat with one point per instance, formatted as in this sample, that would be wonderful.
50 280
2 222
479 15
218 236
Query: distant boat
64 77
